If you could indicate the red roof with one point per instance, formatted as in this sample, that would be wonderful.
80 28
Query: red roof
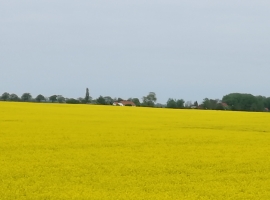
124 103
127 103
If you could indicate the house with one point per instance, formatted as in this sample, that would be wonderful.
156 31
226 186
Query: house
124 103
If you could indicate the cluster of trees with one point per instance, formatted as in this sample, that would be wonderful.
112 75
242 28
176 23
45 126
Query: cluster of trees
246 102
233 101
27 97
237 102
148 100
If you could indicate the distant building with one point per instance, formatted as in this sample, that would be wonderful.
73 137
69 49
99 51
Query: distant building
124 103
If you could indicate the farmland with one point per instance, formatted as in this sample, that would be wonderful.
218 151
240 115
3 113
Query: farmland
60 151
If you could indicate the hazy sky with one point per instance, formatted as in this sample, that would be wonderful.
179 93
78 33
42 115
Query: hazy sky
175 48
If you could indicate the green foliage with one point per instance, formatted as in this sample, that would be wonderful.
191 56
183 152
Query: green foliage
120 99
14 97
136 101
108 100
5 96
149 100
72 101
267 103
245 102
100 100
87 96
26 97
173 103
180 103
40 98
210 104
53 98
60 99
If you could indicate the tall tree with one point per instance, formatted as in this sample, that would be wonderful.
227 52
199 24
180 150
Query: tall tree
180 103
14 97
53 98
101 100
87 96
108 100
40 98
171 103
150 99
26 97
60 99
5 96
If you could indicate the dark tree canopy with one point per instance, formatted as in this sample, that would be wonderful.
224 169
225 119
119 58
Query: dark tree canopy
87 96
5 96
173 103
53 98
120 99
136 101
40 98
26 97
180 103
108 100
72 101
60 99
149 100
14 97
210 104
244 102
100 100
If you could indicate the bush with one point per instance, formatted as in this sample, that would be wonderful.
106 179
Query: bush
72 101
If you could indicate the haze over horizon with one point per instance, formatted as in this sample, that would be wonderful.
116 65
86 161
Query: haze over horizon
178 49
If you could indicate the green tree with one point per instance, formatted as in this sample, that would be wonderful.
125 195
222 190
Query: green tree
180 103
210 104
136 101
108 100
267 103
40 98
100 100
53 98
26 97
87 96
72 101
171 103
149 100
14 97
244 102
60 99
120 99
5 96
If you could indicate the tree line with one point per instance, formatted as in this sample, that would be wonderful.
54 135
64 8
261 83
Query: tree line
232 101
147 101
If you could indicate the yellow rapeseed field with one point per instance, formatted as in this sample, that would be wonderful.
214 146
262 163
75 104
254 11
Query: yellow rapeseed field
60 152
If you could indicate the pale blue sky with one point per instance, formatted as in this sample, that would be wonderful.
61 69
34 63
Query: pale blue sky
175 48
